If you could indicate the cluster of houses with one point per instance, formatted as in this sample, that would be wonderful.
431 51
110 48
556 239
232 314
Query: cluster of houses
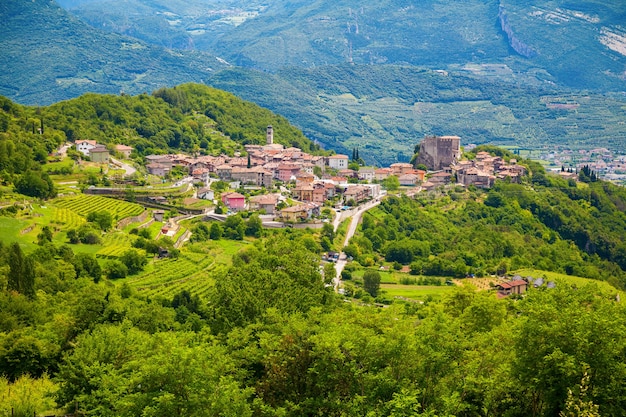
98 152
483 171
518 286
318 178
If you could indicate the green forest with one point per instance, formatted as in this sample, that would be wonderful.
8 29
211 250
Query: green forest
270 340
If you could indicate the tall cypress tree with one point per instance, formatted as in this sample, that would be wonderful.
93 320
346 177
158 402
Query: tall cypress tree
16 267
28 277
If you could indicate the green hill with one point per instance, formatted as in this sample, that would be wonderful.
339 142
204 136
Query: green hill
191 118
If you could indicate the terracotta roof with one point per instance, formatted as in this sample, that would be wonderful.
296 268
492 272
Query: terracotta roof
233 195
265 199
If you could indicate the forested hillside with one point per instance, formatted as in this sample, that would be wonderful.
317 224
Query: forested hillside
190 118
270 340
578 43
386 110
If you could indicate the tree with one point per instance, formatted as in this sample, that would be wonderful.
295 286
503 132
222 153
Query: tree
16 267
578 405
86 265
35 184
328 231
45 236
330 273
102 218
371 282
254 226
116 269
216 231
134 261
21 276
391 183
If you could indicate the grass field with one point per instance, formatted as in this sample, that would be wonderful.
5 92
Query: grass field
569 279
401 285
416 292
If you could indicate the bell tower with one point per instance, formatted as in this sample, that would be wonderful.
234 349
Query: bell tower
269 137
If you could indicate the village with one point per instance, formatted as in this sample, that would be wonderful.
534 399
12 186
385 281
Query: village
292 186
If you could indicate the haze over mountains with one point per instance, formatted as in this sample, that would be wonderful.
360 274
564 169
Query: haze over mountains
380 75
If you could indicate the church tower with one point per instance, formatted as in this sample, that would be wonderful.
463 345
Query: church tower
269 137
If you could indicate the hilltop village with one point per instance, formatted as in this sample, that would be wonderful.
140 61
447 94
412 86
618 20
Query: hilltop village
293 185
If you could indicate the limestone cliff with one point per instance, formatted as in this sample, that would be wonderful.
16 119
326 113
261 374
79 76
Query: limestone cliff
518 45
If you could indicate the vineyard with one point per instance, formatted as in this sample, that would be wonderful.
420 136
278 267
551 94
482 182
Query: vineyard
114 245
66 217
191 272
85 204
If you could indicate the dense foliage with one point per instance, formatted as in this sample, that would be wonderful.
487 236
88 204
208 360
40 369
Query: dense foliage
549 224
271 341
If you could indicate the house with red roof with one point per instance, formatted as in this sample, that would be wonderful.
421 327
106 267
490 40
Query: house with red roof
518 286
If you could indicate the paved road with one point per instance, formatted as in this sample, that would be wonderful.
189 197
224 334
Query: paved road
356 214
129 169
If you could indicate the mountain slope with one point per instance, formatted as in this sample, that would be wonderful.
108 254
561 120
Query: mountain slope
579 43
49 55
386 110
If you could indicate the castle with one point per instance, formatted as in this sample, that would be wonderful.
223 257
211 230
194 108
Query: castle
439 152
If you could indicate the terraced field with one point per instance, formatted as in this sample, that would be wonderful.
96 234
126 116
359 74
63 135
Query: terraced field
66 218
85 204
191 272
114 245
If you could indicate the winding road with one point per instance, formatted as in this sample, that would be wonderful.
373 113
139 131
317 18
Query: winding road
355 214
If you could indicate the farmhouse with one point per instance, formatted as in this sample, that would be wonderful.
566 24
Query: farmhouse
99 153
517 286
84 146
124 150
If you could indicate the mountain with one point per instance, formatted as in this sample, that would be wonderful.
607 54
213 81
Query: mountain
387 110
515 82
577 43
50 55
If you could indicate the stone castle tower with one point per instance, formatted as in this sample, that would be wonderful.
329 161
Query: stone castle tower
269 136
438 152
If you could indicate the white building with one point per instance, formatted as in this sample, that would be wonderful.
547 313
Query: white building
84 146
338 161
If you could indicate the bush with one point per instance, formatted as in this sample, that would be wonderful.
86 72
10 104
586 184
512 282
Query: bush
134 261
116 270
